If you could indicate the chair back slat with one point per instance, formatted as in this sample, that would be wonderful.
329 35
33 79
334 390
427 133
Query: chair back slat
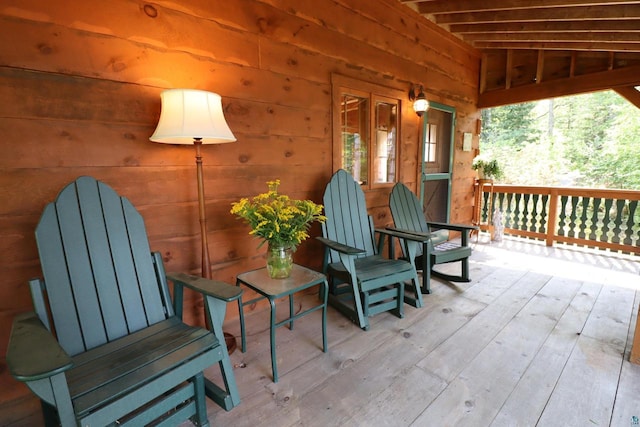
347 218
98 268
406 211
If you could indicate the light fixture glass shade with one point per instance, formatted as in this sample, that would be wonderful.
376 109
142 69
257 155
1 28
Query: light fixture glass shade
420 105
189 114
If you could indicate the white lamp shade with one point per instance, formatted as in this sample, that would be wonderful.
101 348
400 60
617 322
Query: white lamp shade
187 114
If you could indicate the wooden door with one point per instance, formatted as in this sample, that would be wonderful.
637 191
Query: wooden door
437 161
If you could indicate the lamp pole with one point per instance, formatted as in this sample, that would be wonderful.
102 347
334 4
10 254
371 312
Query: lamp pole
206 261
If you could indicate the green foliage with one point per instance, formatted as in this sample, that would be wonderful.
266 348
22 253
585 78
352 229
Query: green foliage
587 140
490 167
511 126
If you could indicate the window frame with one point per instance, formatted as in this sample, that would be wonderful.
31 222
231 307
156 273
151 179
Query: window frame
342 85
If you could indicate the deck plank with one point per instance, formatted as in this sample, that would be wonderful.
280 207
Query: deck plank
540 336
539 380
452 356
627 402
587 387
481 388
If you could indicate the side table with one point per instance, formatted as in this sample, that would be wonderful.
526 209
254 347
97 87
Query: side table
301 278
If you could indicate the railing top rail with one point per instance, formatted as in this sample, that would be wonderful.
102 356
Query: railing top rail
605 193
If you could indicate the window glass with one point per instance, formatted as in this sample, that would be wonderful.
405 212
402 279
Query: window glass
431 143
384 149
354 119
366 121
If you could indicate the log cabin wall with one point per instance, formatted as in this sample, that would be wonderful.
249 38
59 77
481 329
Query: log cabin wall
80 85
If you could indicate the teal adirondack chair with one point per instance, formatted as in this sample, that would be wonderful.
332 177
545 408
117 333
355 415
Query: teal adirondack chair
105 345
362 282
434 248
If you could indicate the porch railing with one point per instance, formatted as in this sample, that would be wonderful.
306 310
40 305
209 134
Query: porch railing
605 219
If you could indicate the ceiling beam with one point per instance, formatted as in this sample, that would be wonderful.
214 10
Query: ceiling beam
601 37
632 25
614 79
444 6
631 94
626 11
581 46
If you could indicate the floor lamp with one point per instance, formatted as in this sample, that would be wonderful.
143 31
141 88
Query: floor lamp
190 116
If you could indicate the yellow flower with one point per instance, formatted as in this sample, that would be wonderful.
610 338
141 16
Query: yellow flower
277 219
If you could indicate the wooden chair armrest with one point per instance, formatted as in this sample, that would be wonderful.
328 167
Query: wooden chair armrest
33 352
454 227
416 236
219 290
339 247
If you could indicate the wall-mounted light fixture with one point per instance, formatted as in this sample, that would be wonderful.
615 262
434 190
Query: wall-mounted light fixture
420 103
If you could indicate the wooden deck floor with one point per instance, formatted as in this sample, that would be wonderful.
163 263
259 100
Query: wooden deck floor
541 336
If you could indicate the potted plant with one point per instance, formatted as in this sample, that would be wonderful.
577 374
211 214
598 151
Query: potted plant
488 168
281 222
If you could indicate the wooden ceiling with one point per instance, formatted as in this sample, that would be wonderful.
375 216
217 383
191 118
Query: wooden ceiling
537 49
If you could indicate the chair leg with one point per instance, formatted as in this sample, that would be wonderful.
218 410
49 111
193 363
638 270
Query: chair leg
49 414
400 309
465 269
229 397
64 406
361 312
200 418
426 273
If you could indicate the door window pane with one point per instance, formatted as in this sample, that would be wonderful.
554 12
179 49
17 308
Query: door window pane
431 143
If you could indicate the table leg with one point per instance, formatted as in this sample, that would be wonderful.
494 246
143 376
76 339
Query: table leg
325 295
243 336
291 312
274 361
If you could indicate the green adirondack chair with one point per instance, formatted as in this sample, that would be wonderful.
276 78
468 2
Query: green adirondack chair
435 247
119 353
361 282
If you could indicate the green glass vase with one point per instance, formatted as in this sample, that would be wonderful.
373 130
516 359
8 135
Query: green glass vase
279 261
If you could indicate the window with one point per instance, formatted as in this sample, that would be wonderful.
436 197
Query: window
366 128
431 143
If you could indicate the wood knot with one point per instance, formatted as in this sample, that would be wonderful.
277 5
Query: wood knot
244 158
263 25
45 49
131 161
150 11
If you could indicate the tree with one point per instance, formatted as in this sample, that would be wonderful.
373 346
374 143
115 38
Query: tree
509 126
586 140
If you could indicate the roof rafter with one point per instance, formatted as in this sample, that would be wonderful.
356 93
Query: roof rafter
533 49
626 11
448 6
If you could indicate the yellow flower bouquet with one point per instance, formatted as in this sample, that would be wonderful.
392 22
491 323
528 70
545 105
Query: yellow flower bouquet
280 221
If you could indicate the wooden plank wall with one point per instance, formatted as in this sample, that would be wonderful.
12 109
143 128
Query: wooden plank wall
80 85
